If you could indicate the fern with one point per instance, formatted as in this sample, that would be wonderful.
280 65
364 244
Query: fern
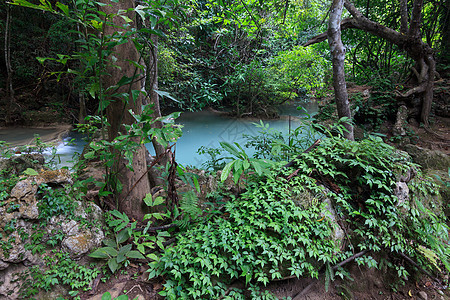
430 255
329 275
189 204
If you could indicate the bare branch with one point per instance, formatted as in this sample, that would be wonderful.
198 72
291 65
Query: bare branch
418 89
345 24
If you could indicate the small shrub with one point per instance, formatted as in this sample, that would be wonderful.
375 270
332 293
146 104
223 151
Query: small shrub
54 202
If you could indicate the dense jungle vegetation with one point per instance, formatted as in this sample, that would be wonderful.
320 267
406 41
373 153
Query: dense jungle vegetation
330 193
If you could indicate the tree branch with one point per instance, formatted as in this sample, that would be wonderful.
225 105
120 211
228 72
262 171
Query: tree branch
345 24
418 89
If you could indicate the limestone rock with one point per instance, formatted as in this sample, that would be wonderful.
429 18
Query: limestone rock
17 164
330 213
55 293
3 265
115 292
402 192
95 212
428 159
18 217
9 287
23 189
422 295
399 126
79 243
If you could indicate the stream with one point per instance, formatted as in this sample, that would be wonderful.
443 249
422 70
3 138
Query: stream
203 128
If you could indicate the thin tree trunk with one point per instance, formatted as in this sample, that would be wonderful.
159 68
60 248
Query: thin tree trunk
9 86
403 16
338 57
152 73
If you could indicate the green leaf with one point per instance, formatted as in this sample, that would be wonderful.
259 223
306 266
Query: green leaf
230 148
113 265
30 172
111 251
226 171
236 176
197 186
100 253
89 155
256 165
148 200
127 19
120 258
93 90
246 164
135 94
159 200
125 249
41 60
153 256
165 94
109 243
135 254
64 8
122 236
106 296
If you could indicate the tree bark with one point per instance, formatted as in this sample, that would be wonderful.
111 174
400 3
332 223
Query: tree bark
403 16
152 81
338 57
130 199
9 71
445 31
411 42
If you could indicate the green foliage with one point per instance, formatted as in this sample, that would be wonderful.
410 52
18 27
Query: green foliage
299 68
215 160
278 227
258 237
60 269
7 182
445 183
118 251
225 56
54 202
272 144
141 132
372 112
241 163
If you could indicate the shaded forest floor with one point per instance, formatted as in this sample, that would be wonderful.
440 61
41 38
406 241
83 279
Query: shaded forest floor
362 284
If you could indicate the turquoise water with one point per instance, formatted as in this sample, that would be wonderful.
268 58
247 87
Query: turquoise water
199 129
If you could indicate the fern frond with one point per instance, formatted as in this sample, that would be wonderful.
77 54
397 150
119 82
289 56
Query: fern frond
189 204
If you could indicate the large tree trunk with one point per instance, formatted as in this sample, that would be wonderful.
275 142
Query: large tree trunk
411 41
338 56
133 191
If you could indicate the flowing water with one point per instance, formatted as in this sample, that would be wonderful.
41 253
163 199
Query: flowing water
199 129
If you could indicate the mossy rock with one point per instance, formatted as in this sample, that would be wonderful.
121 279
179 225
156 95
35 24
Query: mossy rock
428 159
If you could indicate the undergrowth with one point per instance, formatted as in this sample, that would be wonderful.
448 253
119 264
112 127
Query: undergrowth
280 226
